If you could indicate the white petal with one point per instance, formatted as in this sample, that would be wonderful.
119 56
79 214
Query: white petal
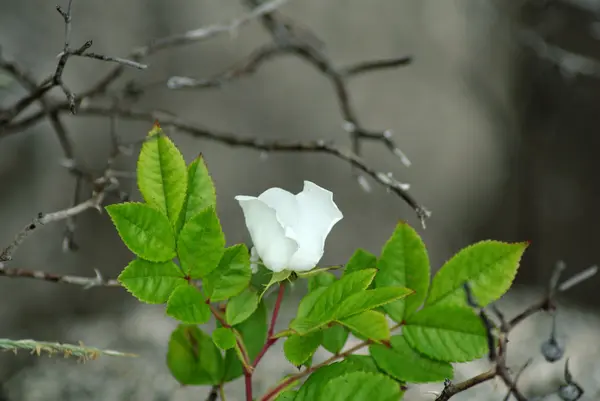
317 216
284 203
268 235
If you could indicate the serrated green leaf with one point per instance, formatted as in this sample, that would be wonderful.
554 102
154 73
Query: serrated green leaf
151 282
231 276
361 260
201 244
364 363
325 307
370 324
193 358
370 299
188 305
162 174
223 338
322 279
240 307
404 262
404 363
144 230
315 383
334 338
361 386
200 191
299 349
489 267
447 333
254 334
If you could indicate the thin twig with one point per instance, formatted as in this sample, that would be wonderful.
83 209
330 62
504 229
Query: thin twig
43 219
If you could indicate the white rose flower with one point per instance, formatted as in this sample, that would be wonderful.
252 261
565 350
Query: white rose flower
289 231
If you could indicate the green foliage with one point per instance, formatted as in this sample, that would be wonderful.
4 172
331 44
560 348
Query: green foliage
179 223
369 324
200 191
254 334
322 279
404 262
405 364
343 299
447 333
193 358
288 395
334 338
231 276
371 299
299 349
151 282
241 307
162 174
146 232
361 386
188 305
489 267
223 338
316 382
201 244
360 260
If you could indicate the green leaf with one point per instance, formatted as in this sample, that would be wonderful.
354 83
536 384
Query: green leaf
299 349
288 395
311 389
254 334
201 243
405 364
200 191
361 260
361 386
447 333
489 267
365 362
370 299
232 275
276 277
325 307
370 324
188 305
146 232
223 338
162 174
193 358
151 282
404 262
334 338
240 307
322 279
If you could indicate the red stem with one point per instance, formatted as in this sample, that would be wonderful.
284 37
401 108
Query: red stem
270 339
248 380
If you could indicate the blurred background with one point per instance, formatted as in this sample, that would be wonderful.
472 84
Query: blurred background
496 111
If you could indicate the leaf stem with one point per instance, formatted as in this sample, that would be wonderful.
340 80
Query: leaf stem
270 339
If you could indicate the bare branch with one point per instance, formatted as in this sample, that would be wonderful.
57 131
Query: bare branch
43 219
86 282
